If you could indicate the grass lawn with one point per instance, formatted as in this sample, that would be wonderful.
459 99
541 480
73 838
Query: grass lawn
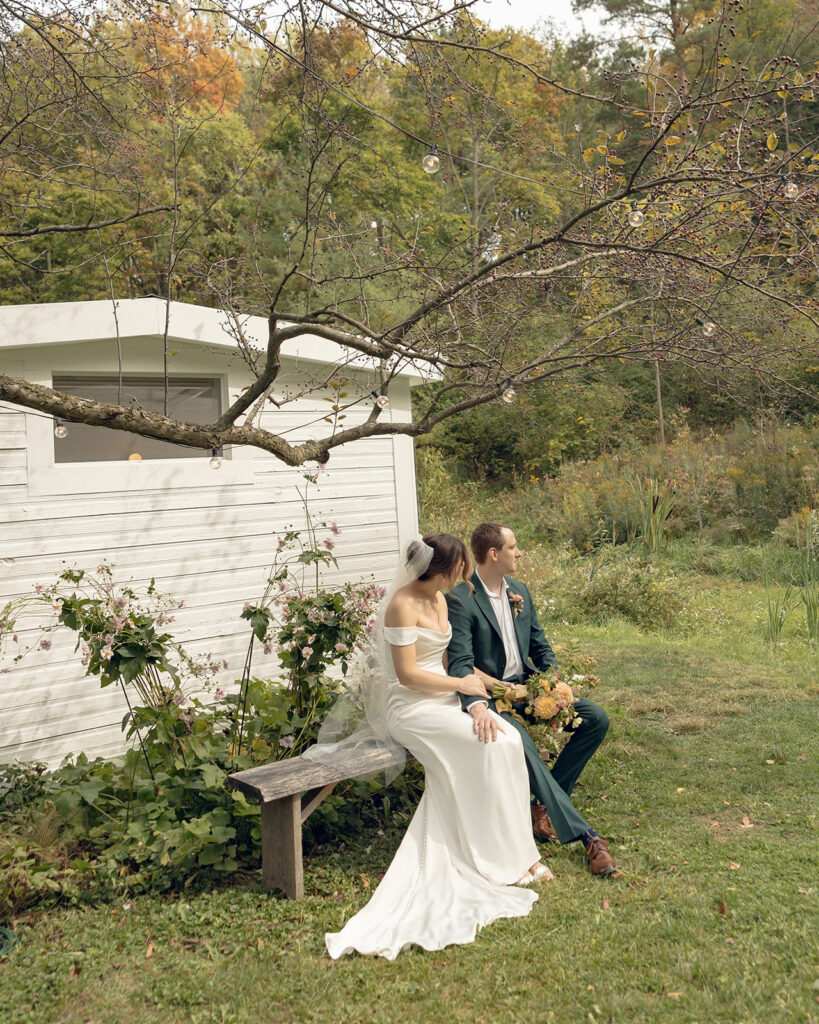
706 788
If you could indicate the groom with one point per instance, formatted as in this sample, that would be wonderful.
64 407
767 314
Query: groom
495 629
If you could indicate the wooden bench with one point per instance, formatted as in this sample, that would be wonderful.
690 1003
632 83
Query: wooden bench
289 791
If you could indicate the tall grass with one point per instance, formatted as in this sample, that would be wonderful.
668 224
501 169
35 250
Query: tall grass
806 543
654 503
777 602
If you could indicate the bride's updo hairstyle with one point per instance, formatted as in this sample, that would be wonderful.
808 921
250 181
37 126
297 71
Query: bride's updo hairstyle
447 552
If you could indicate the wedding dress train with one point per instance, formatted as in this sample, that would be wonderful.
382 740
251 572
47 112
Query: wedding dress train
470 838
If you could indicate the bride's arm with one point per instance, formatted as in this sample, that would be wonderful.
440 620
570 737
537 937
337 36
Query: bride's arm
415 678
488 680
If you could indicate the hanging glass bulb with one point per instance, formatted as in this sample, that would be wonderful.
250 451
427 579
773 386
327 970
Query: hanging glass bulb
509 396
60 429
215 461
431 162
636 218
791 190
382 401
709 328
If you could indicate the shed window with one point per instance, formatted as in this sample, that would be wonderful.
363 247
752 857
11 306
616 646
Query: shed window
195 399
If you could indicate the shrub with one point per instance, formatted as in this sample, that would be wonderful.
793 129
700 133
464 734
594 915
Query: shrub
725 488
625 587
98 827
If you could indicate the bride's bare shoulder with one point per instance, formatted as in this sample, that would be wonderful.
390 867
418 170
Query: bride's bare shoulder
402 610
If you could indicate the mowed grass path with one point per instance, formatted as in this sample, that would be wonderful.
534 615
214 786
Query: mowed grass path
706 789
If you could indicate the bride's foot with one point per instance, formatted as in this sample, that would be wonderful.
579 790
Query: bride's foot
536 874
541 874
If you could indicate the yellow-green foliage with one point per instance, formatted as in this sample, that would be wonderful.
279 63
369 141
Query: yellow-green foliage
725 487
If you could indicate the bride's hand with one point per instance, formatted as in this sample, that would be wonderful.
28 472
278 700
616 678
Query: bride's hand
485 725
473 686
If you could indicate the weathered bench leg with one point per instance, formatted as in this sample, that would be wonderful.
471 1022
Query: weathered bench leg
281 846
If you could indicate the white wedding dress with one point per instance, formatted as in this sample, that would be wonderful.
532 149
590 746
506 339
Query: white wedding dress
470 838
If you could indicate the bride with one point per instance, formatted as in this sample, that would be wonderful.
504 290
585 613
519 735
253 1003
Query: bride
470 842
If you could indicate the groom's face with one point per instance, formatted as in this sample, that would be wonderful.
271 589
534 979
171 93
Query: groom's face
509 555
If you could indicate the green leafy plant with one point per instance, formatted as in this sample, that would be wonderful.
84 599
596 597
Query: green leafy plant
807 543
654 503
623 586
161 817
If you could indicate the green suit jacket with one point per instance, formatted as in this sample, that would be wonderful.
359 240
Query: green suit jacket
477 641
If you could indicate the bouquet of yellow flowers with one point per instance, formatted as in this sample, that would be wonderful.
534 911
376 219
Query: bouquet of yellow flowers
547 698
544 699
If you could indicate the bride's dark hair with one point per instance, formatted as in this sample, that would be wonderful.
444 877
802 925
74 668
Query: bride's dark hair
447 552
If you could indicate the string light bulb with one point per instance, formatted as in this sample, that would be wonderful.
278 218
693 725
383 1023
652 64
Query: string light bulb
636 218
709 329
431 162
791 190
60 429
382 401
508 396
215 461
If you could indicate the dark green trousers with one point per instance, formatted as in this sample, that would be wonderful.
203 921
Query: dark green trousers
553 788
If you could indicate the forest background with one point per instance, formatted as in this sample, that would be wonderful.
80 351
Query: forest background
214 140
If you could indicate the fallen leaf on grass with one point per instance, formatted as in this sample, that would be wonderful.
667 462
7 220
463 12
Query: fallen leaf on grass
75 970
606 903
722 908
802 892
733 866
769 760
730 942
149 952
675 995
726 803
746 823
802 757
259 943
680 789
714 824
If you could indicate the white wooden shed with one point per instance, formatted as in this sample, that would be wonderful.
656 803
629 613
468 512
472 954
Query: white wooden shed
207 536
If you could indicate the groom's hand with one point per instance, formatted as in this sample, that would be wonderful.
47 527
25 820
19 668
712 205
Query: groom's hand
484 724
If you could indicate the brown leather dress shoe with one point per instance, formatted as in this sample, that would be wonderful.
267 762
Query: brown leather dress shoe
601 861
541 826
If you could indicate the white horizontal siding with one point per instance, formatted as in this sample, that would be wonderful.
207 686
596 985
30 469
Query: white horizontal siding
212 546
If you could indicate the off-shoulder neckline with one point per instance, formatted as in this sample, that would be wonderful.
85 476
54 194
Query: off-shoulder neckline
438 632
426 629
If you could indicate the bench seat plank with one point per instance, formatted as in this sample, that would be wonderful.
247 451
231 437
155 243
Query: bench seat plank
295 775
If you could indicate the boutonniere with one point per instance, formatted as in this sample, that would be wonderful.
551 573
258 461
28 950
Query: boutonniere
516 600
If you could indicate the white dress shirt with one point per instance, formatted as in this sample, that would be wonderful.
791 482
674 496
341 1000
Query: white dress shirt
503 613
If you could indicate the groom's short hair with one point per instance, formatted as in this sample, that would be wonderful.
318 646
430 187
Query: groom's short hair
484 537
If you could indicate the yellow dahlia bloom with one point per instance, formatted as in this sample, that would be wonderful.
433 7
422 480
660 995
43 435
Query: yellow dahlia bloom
545 708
